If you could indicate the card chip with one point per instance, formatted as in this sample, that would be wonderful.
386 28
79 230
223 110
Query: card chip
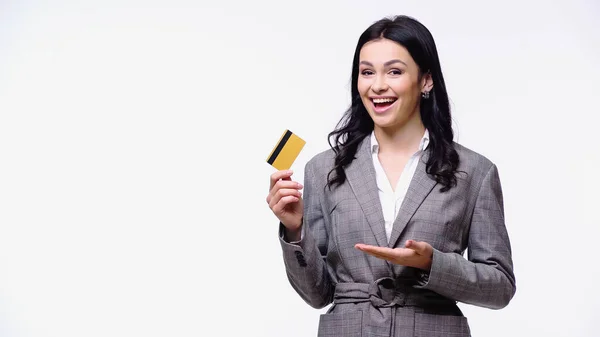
286 151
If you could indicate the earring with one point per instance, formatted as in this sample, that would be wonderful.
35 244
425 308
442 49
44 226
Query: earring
425 94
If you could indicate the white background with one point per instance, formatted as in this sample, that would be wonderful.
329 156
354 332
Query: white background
134 134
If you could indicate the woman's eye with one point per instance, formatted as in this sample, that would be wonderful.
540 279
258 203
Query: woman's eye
396 72
367 72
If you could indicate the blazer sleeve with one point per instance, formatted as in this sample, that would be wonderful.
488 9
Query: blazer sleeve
304 260
486 279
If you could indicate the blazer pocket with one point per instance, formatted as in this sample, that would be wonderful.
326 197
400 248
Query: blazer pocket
348 324
429 325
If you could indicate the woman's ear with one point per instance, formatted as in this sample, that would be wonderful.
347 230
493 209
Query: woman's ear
426 82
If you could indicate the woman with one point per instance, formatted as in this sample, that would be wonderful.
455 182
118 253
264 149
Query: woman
388 212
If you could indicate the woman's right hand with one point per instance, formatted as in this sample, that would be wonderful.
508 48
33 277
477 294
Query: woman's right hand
285 200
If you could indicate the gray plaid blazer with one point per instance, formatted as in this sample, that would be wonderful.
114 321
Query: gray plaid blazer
372 297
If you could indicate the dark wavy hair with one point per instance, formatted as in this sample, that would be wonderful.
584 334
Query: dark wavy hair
356 124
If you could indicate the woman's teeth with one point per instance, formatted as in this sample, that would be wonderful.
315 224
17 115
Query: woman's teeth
383 100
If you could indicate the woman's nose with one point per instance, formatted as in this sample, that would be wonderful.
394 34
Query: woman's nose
379 85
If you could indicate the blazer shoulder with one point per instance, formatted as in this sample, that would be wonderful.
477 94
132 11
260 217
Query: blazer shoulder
321 163
472 161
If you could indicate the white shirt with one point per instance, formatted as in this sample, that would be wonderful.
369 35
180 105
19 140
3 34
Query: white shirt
391 199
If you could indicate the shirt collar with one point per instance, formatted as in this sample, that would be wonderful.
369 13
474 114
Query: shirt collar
422 144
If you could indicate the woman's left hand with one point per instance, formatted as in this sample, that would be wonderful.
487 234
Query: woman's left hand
417 254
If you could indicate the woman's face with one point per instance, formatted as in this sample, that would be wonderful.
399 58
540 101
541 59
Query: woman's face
389 85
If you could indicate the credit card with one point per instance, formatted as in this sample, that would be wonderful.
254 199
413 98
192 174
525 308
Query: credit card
286 151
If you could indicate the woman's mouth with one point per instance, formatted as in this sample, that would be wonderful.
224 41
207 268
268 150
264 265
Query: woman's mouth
381 105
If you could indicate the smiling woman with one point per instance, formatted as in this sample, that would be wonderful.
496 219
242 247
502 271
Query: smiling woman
390 209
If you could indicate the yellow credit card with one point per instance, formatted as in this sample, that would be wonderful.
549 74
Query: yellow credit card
286 151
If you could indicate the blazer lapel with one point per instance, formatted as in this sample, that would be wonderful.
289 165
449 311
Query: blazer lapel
420 186
361 177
